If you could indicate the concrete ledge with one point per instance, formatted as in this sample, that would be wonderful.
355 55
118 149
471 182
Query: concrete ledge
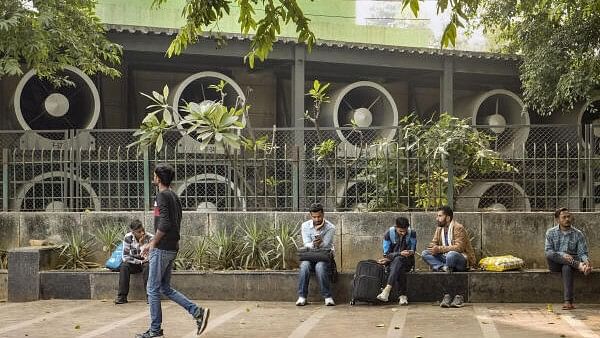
532 286
3 284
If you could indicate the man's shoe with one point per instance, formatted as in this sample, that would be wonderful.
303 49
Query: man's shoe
446 301
201 318
301 301
457 302
150 334
403 300
121 300
329 301
383 296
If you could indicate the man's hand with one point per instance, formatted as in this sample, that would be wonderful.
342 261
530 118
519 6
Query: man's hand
568 258
317 242
383 260
147 248
405 253
435 249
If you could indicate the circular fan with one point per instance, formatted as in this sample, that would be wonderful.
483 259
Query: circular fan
56 191
210 192
41 106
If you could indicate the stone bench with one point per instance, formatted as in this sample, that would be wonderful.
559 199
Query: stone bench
29 279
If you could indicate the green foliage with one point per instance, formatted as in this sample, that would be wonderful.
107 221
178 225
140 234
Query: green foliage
109 235
52 34
225 247
559 43
78 251
203 15
417 167
252 244
325 149
286 246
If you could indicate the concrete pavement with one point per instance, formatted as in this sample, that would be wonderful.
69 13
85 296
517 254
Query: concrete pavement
85 318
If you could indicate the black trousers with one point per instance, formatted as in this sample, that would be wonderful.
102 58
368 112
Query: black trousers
399 266
125 271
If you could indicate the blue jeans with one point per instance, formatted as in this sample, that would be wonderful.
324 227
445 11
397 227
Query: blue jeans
159 281
322 271
452 259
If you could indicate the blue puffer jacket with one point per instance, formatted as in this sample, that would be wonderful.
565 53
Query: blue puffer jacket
391 238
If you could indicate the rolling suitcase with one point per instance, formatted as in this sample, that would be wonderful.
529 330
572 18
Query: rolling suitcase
369 279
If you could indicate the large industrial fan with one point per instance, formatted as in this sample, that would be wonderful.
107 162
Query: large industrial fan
210 192
56 191
497 109
493 196
196 88
40 106
354 196
366 103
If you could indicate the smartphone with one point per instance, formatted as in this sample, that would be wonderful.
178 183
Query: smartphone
317 237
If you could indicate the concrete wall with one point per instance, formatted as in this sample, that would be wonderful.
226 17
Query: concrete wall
358 235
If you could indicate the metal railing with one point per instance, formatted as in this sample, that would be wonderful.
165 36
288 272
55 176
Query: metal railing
557 165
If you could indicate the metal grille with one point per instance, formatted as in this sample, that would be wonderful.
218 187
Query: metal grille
557 165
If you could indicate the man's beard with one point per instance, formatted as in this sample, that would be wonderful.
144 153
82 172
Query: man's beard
441 224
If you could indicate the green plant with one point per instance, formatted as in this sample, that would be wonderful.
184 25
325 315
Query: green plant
256 249
414 172
224 249
77 252
286 235
109 235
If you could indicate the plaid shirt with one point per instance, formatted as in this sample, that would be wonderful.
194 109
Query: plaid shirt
570 242
132 248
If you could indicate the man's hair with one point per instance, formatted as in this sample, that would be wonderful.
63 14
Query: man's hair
316 207
402 222
135 224
558 211
165 173
447 211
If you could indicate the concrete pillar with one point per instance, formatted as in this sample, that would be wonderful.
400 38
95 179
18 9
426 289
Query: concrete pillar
24 266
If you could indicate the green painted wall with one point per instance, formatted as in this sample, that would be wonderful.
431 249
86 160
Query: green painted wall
331 20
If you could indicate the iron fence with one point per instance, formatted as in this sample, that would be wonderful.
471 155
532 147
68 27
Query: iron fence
556 165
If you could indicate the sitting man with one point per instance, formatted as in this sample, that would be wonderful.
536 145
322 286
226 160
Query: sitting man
399 245
566 250
316 233
450 250
133 262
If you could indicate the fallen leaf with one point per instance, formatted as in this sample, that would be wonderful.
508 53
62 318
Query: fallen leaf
396 327
380 325
247 310
550 323
77 327
484 323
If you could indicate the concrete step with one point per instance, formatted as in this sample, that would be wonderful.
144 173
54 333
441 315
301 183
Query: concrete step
527 286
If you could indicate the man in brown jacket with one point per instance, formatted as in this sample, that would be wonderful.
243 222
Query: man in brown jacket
450 250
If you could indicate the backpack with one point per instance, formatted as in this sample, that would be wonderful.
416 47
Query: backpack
114 262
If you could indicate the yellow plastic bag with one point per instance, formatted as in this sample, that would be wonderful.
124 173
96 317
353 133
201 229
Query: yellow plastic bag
501 263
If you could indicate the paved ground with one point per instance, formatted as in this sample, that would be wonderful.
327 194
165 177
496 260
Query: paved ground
79 318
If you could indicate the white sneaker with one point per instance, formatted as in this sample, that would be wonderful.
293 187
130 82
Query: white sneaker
301 301
383 296
403 300
329 301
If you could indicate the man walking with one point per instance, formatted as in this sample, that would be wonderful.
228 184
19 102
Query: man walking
566 251
162 251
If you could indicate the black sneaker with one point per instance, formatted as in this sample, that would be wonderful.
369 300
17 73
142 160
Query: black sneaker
201 318
121 300
150 334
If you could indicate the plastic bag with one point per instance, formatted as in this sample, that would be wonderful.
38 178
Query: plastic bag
114 262
501 263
